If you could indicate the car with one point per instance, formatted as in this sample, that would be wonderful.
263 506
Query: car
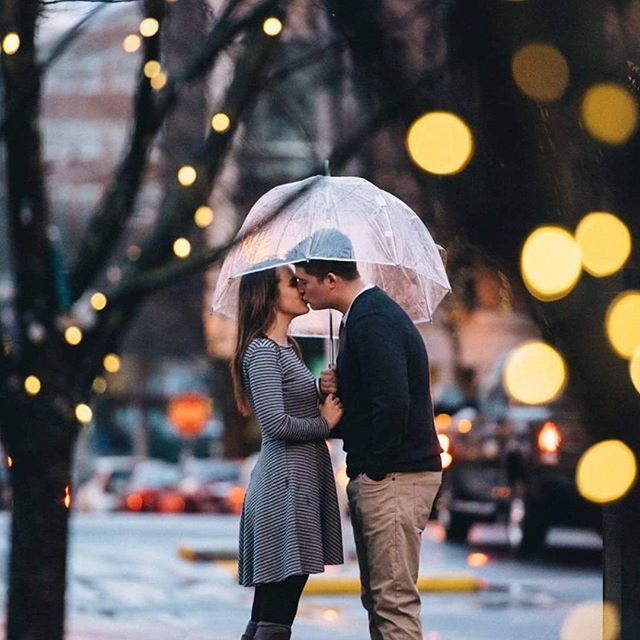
512 463
154 488
103 491
211 486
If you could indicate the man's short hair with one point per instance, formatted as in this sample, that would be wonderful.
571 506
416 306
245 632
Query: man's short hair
320 268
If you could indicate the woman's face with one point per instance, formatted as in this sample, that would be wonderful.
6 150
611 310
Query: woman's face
290 301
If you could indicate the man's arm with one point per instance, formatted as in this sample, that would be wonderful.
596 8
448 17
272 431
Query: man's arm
380 347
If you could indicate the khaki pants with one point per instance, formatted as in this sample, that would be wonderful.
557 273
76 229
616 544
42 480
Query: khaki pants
388 518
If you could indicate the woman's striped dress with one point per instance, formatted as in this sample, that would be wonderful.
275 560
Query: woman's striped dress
290 519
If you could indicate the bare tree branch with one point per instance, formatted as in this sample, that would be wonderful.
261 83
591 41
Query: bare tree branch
31 85
159 277
108 221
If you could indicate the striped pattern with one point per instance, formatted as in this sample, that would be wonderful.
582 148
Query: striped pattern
290 519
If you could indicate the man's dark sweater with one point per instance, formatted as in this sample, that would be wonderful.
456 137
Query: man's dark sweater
383 382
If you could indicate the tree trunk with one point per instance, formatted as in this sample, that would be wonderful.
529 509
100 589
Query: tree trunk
40 478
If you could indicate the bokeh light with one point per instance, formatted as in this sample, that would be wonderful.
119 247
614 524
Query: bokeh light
550 263
540 71
32 385
605 243
73 335
158 81
182 248
98 301
634 368
440 142
149 27
623 323
11 43
187 175
131 43
203 216
534 373
151 68
99 385
477 559
606 471
272 26
111 363
84 413
609 113
220 122
595 620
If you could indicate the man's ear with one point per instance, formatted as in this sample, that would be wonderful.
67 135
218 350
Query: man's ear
331 280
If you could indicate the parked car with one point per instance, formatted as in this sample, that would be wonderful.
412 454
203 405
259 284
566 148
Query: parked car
104 490
154 487
211 486
516 464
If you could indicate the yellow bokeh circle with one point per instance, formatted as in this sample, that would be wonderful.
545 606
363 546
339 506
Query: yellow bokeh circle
622 323
73 335
534 373
187 175
99 301
550 263
220 122
182 248
111 363
606 471
131 43
32 385
272 26
203 216
11 43
594 620
440 142
149 27
152 68
634 368
540 71
84 413
605 243
609 113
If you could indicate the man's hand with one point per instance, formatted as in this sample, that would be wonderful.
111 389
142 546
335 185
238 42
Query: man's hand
328 381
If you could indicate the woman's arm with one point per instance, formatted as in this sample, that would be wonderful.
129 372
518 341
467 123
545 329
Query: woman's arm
264 380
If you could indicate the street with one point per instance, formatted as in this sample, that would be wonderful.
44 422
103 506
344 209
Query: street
128 581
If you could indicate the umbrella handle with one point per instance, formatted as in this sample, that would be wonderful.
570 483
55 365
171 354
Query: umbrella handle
331 345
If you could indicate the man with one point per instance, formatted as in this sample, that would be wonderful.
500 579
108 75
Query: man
393 455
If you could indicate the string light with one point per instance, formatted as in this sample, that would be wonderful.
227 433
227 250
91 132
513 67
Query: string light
99 385
111 363
540 71
220 122
550 263
622 323
98 301
151 68
272 26
11 43
32 385
609 113
149 27
131 43
73 335
83 413
187 175
605 243
158 81
440 143
182 247
203 216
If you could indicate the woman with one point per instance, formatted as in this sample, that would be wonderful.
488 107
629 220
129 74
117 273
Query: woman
290 525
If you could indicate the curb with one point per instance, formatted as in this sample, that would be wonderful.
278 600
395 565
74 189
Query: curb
321 584
426 584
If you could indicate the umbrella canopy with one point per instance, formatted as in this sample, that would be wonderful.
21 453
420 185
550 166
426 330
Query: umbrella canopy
338 218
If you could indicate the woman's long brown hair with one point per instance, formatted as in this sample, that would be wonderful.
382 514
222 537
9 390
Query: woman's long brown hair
256 312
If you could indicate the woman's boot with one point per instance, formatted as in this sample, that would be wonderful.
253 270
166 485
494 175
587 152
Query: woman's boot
272 631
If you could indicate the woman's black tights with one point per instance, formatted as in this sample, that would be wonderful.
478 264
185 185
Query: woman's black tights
278 601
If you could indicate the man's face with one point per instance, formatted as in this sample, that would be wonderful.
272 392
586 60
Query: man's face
317 293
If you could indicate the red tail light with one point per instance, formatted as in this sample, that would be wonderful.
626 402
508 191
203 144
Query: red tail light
549 438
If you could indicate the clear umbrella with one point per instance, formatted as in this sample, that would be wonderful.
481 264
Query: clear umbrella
310 219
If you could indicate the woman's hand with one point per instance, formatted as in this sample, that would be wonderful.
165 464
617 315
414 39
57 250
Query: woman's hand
331 410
